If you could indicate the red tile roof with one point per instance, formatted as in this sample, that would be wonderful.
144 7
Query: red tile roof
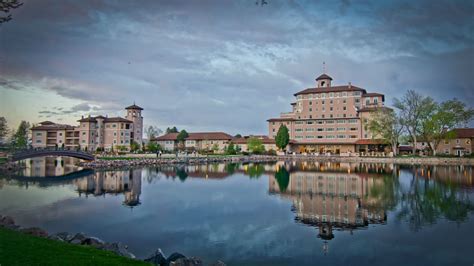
324 76
48 125
116 119
331 89
134 106
464 132
197 136
280 119
369 141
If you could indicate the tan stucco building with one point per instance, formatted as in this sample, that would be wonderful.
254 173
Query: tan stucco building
198 141
461 144
92 133
330 118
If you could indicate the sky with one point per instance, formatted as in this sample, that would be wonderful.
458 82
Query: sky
224 65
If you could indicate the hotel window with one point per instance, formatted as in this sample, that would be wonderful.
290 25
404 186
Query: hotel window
331 116
273 123
310 109
310 116
330 122
309 122
115 134
83 133
357 100
341 136
322 116
320 129
331 101
376 100
83 141
114 125
38 134
331 94
115 141
446 151
353 128
319 137
38 141
458 141
330 129
60 134
331 108
273 130
310 103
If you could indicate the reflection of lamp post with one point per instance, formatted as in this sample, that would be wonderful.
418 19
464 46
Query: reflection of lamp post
325 247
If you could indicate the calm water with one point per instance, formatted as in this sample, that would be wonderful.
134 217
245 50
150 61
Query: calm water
258 214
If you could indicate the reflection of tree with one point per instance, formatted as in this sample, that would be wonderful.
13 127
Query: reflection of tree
283 178
385 194
426 201
230 168
255 170
181 173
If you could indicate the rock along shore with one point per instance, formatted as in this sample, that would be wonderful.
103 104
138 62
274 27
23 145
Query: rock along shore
116 163
157 258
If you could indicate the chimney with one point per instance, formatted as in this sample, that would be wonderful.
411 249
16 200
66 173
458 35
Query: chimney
83 117
350 85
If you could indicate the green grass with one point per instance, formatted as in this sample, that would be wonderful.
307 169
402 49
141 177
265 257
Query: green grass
3 160
21 249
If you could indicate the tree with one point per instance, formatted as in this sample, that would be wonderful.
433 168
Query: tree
182 137
282 138
387 125
152 132
447 115
230 150
415 109
20 138
171 130
238 136
134 146
255 145
153 147
215 148
6 6
3 129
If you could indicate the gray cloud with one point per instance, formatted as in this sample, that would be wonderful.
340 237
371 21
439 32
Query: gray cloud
230 65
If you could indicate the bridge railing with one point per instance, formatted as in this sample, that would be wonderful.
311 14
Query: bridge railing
18 151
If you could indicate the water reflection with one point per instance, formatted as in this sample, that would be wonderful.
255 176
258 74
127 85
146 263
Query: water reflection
126 182
258 209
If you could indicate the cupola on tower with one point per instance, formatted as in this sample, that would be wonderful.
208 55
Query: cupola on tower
323 81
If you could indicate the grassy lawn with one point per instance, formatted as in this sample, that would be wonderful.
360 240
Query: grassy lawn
21 249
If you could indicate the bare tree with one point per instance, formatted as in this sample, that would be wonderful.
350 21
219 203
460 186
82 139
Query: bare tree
415 109
6 6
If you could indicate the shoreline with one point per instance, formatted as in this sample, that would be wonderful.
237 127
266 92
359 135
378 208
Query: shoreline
117 162
105 164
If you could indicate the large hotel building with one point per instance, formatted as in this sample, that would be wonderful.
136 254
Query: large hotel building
330 119
92 133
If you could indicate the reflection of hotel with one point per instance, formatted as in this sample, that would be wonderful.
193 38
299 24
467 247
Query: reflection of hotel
127 182
50 166
340 200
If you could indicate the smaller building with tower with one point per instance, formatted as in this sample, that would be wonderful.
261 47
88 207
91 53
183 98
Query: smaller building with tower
93 132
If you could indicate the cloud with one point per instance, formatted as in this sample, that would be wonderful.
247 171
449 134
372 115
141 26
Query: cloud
202 64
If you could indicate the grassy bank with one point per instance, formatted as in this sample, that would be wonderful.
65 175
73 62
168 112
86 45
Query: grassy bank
21 249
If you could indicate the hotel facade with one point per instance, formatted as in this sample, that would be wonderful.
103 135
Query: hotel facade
92 133
330 119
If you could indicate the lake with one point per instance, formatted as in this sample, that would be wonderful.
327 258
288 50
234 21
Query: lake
284 213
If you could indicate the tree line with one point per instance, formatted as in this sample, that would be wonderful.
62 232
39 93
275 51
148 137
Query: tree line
419 117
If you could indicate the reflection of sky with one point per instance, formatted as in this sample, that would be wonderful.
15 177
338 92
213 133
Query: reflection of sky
232 219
